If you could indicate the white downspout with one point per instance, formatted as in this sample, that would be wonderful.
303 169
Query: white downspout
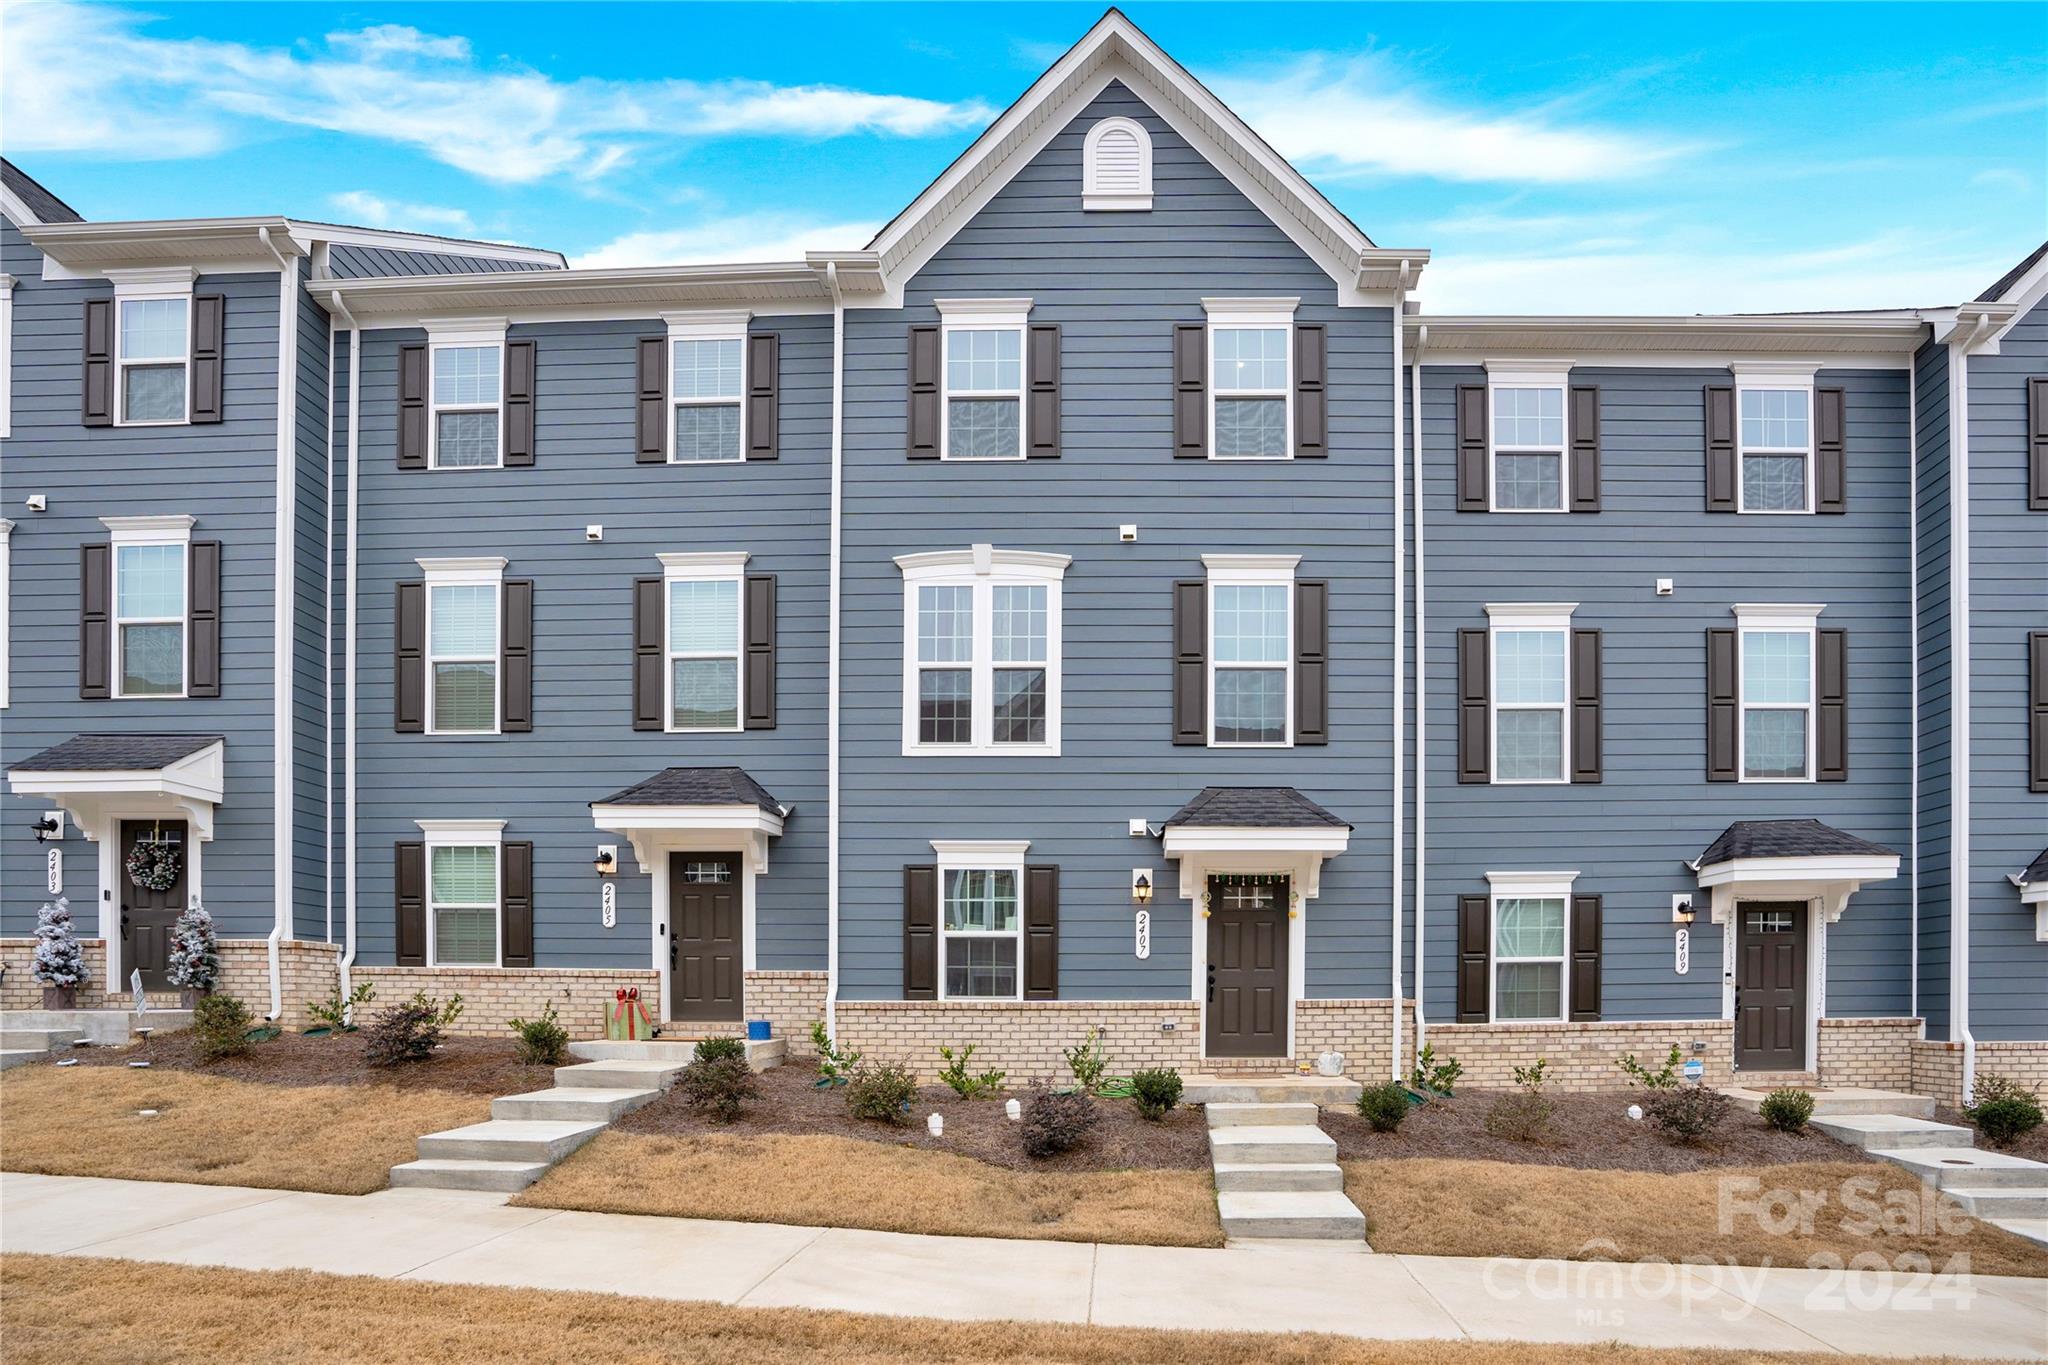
1421 693
283 765
1400 678
1959 702
327 641
348 657
1913 653
832 665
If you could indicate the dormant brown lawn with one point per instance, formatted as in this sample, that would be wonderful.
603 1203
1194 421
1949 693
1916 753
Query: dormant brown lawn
57 1311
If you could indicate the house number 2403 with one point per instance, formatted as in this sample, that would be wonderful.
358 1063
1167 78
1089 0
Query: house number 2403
608 901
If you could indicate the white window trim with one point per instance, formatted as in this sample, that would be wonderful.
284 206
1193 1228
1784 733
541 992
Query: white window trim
6 357
126 532
983 315
1097 200
1790 376
1244 315
1527 375
6 592
468 572
721 324
998 855
1777 618
153 282
1551 616
464 834
447 335
715 566
982 568
1234 571
1528 886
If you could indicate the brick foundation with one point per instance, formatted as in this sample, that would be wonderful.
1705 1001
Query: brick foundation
1024 1039
1938 1067
1580 1056
19 989
791 1002
493 995
1876 1053
1360 1029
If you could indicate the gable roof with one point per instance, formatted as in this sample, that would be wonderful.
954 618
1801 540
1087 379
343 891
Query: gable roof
1115 49
1253 808
1996 293
43 205
115 753
2037 871
696 787
1786 839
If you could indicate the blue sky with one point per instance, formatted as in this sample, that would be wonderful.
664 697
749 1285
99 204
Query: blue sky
1556 158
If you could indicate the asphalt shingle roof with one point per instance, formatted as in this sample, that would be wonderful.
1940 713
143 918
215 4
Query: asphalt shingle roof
1785 839
695 787
1996 293
114 753
43 204
2037 870
1255 807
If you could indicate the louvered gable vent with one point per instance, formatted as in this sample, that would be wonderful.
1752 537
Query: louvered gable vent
1116 169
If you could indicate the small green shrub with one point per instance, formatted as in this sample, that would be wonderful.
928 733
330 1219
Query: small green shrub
221 1024
1664 1078
881 1092
1520 1116
1687 1113
542 1041
1157 1091
2003 1109
967 1085
719 1085
1993 1085
336 1015
1532 1077
1056 1121
409 1032
1787 1110
834 1067
1430 1074
718 1049
1088 1061
1383 1106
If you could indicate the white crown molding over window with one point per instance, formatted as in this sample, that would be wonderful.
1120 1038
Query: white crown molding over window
1252 568
1778 615
1774 374
153 282
466 331
702 563
1121 181
1531 615
1531 883
463 831
984 312
977 853
984 560
1541 372
467 569
1252 312
706 324
171 529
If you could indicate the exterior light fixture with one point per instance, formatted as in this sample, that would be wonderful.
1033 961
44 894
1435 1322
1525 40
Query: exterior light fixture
605 862
44 828
1682 910
1141 885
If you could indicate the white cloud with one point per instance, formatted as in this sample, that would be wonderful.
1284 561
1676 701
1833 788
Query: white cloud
2002 178
1334 117
76 78
369 210
749 237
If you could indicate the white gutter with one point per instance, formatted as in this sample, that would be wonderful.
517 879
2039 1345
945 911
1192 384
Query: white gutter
283 764
348 665
1913 653
1959 701
832 665
1400 678
1421 697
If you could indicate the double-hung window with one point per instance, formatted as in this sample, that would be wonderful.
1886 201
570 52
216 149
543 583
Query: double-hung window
1776 691
1251 368
981 920
1251 657
464 602
707 387
467 397
1774 433
1530 649
150 604
1528 439
153 356
704 639
464 901
982 651
984 378
1529 945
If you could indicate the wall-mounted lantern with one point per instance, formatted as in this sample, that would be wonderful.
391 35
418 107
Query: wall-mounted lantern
1682 910
607 860
1141 885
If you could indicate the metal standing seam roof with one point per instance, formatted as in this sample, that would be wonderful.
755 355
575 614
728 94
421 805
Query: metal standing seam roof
1786 839
1254 808
115 753
696 787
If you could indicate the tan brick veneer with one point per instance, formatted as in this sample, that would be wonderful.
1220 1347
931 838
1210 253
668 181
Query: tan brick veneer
493 995
1876 1053
1938 1067
1024 1039
1579 1056
791 1002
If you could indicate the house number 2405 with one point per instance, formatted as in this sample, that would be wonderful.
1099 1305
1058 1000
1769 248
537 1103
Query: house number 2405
608 900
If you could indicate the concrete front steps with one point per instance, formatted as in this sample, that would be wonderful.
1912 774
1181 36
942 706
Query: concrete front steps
1828 1103
1211 1088
677 1051
2007 1191
32 1035
1277 1177
19 1046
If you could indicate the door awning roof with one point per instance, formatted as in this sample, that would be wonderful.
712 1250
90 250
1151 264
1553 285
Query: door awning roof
115 753
700 809
1795 859
1253 829
93 776
1253 808
1787 839
697 787
2033 885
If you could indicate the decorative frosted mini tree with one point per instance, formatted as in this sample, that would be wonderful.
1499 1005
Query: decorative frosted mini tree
194 953
60 962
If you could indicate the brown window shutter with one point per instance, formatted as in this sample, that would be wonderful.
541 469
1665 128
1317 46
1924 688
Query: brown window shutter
409 667
409 887
1722 720
1191 390
95 621
1041 933
649 649
412 407
1585 451
519 385
650 388
515 658
209 337
921 421
920 932
1587 740
1475 761
1042 391
1830 459
517 874
1311 396
1473 475
202 625
764 380
760 662
1831 723
1191 661
1312 662
2037 444
1720 427
1475 958
2037 710
1585 967
96 399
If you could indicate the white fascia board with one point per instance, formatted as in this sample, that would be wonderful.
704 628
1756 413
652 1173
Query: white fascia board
1327 840
1859 867
736 818
702 563
1767 615
1854 340
463 831
91 251
1531 615
980 852
1588 360
16 209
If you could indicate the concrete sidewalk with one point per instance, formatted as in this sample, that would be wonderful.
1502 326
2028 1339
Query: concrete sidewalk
463 1238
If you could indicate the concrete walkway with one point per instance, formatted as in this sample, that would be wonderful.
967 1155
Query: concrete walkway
473 1238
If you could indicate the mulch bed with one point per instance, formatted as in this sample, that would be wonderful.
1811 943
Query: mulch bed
791 1102
1588 1131
2033 1146
467 1066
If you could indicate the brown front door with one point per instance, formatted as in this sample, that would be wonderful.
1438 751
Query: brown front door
1770 986
147 915
704 947
1247 969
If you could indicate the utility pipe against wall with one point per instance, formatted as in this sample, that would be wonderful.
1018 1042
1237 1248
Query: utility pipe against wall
1399 671
1421 690
284 635
348 665
1959 699
832 667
